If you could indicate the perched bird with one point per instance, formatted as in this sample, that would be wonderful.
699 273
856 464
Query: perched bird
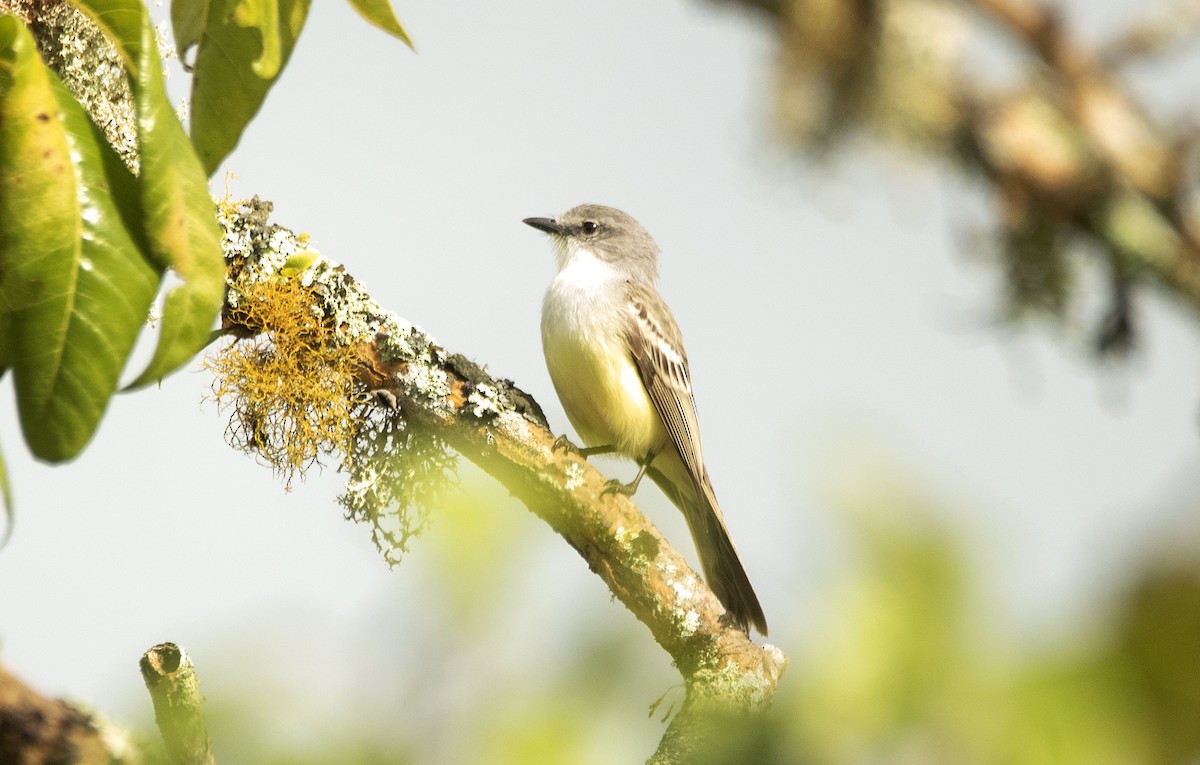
616 358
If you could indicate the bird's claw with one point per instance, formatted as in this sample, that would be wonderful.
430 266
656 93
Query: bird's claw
613 486
562 443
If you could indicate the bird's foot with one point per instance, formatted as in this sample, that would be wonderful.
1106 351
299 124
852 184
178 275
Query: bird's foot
591 451
563 443
613 486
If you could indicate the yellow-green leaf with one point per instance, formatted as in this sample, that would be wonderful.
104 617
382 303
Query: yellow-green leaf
262 15
299 263
187 22
6 498
73 279
242 47
381 14
178 216
181 222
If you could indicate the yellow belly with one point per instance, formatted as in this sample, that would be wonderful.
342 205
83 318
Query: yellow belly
603 395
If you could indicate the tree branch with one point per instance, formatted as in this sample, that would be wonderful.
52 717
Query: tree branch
174 690
1136 205
1153 34
501 429
1070 152
325 324
1113 121
35 730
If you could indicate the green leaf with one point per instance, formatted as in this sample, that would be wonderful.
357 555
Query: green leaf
30 127
6 498
262 15
5 322
381 14
187 22
72 276
243 47
299 263
179 220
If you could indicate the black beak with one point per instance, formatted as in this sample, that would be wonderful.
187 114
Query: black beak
549 225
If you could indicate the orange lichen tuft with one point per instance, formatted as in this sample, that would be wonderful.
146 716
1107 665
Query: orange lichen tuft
291 386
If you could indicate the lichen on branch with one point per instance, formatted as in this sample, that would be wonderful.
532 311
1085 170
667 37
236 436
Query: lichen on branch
290 389
410 401
291 378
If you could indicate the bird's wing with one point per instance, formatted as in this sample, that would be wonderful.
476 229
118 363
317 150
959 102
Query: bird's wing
656 346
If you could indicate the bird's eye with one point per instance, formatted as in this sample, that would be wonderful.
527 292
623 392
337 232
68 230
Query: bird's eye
590 227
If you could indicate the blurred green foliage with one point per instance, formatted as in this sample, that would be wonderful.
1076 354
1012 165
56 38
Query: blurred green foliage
905 665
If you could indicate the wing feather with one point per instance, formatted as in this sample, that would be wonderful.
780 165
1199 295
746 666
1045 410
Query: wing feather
656 345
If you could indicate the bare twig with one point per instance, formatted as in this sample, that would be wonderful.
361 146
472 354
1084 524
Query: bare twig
175 690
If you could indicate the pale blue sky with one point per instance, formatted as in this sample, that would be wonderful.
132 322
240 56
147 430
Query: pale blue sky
833 317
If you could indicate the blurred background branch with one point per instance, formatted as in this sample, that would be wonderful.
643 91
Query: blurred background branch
36 730
1075 161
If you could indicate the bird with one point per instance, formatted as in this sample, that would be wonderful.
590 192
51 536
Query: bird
616 358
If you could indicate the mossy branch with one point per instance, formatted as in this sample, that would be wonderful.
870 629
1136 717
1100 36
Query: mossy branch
170 678
400 374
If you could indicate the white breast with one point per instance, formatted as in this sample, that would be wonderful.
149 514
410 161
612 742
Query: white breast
583 326
583 296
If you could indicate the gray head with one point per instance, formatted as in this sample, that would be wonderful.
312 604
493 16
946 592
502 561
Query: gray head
610 235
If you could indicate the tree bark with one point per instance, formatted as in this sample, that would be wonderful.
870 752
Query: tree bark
35 730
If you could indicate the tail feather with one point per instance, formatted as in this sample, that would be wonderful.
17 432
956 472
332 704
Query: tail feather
723 569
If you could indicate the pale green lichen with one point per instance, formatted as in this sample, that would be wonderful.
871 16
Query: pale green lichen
575 474
395 474
724 681
394 470
429 380
484 400
686 586
684 613
271 250
89 65
667 569
513 424
624 537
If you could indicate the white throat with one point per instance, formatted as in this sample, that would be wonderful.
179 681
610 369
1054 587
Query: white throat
582 270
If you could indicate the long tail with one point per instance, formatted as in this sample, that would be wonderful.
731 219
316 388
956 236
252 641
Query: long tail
723 569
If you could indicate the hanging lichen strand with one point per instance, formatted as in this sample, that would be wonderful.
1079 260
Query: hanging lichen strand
289 378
